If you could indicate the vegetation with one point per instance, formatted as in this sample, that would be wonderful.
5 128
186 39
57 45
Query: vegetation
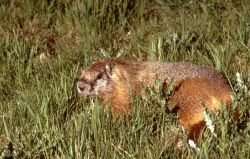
44 45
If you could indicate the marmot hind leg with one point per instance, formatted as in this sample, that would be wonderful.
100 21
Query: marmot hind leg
192 97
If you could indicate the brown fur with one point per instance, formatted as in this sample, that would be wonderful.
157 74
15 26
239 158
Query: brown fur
195 87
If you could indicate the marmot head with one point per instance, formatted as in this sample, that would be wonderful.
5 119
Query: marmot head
96 79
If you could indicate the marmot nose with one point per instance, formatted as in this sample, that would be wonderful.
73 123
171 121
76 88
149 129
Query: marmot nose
80 86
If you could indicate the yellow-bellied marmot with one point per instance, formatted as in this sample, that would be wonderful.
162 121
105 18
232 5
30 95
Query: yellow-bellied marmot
113 81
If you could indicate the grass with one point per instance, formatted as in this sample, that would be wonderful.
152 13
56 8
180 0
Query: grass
45 44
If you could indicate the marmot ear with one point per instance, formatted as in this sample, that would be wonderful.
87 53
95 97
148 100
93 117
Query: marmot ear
108 70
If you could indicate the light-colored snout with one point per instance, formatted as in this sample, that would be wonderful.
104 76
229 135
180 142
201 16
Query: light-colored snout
83 88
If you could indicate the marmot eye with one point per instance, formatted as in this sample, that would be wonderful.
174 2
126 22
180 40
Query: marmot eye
99 76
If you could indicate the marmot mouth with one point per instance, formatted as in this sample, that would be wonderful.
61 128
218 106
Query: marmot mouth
86 94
